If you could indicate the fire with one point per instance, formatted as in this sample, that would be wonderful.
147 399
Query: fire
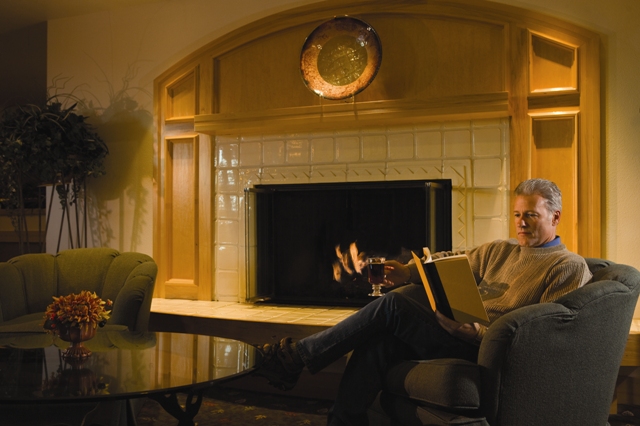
349 262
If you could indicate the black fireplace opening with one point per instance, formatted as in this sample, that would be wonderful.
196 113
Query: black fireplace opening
294 232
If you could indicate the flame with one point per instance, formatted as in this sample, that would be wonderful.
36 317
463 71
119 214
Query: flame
351 262
337 271
355 258
344 260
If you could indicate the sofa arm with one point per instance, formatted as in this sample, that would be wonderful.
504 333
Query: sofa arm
132 306
12 293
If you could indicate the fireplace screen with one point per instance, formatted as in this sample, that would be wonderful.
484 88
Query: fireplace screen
296 233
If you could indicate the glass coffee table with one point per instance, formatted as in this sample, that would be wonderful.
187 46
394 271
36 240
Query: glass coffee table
123 366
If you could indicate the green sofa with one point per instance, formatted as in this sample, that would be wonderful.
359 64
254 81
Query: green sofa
546 364
29 282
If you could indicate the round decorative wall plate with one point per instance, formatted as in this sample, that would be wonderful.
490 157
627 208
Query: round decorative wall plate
340 58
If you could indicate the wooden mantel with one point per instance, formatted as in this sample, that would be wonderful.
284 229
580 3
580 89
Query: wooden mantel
371 113
441 60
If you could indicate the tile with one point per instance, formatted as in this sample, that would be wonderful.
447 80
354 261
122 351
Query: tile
328 173
227 180
226 257
460 124
457 143
348 148
487 172
247 177
226 231
297 151
226 285
487 230
286 174
374 147
401 129
250 154
227 206
458 171
430 126
322 150
373 131
273 152
227 139
252 312
227 155
429 145
488 202
251 138
489 122
401 146
487 141
414 170
366 172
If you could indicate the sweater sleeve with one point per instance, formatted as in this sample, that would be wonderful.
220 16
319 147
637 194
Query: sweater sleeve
564 278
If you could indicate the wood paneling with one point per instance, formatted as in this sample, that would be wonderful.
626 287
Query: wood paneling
181 227
182 96
555 155
439 57
554 66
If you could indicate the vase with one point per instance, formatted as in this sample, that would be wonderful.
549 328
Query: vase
76 335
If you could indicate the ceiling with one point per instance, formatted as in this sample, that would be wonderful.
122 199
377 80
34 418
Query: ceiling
17 14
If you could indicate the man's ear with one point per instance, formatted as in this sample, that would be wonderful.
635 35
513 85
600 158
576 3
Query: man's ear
556 218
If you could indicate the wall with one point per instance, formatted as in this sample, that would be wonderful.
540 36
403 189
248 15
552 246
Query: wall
113 57
23 77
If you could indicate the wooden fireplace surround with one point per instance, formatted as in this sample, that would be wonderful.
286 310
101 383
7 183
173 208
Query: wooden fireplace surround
442 60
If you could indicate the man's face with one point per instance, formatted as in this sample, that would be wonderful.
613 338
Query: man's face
535 225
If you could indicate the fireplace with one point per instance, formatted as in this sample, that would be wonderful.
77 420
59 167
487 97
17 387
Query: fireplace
294 232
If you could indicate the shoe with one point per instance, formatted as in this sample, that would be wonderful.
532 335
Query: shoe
281 365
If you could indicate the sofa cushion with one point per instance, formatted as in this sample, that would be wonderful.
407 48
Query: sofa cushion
449 383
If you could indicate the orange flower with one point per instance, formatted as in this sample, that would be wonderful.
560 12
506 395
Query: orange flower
76 309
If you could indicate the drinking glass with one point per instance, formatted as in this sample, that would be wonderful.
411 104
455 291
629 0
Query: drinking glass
375 267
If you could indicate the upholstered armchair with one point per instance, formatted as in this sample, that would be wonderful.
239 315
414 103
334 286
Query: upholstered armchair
546 364
28 283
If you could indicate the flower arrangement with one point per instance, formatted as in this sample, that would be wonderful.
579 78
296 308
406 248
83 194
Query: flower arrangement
85 309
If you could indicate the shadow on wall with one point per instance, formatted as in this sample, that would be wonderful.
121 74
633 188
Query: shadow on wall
126 129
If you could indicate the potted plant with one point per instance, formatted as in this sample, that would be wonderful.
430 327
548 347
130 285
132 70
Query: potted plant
50 145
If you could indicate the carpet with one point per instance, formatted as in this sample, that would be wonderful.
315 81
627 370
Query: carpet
231 407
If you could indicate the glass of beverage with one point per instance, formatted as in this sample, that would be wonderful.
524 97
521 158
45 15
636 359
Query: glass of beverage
375 268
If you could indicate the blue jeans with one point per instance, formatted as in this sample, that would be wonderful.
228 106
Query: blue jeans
390 329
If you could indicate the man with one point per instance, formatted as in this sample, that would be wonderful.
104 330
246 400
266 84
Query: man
534 268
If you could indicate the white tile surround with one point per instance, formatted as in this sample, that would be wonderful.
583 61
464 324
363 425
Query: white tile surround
473 154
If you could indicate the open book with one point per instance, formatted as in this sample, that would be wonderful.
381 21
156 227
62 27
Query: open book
452 288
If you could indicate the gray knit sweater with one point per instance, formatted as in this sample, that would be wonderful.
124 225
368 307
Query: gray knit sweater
511 276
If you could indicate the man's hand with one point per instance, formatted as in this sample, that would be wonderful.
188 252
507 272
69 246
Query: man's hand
467 332
395 273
